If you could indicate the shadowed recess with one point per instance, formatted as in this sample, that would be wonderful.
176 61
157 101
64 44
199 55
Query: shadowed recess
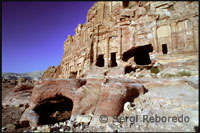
54 110
140 53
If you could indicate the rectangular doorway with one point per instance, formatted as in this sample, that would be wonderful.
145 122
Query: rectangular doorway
113 60
164 48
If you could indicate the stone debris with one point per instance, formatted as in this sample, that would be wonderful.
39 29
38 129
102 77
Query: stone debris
83 119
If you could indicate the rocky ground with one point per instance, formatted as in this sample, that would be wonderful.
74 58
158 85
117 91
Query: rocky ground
16 92
171 103
36 75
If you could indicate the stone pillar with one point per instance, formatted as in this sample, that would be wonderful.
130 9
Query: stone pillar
173 36
170 39
96 45
107 52
95 52
195 34
132 38
119 52
177 37
184 35
155 39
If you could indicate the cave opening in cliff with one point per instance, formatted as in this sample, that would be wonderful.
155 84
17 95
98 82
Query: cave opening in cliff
164 48
142 58
125 4
53 110
100 61
140 53
113 60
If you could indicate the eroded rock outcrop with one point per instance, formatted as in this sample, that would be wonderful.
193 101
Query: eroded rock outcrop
83 96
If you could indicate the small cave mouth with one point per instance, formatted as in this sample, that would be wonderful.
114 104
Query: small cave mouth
52 110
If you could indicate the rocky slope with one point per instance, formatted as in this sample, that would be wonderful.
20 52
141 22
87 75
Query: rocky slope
36 75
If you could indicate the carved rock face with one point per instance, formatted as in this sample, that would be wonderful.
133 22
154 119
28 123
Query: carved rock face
96 96
116 27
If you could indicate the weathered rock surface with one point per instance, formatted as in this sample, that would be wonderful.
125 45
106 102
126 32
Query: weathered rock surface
116 28
49 73
96 96
52 72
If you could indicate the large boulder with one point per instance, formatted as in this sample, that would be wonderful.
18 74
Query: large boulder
87 96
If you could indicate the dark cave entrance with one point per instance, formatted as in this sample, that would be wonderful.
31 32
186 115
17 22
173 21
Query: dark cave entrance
125 4
164 48
113 60
52 110
140 53
142 58
100 61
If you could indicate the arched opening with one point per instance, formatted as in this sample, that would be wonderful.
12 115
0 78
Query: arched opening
54 110
113 60
100 61
125 4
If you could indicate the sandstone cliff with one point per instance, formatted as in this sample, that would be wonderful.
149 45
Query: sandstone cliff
114 28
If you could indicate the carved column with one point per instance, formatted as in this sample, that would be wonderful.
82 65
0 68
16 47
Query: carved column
177 36
170 38
184 35
155 39
132 39
119 52
195 35
107 52
173 36
96 45
95 51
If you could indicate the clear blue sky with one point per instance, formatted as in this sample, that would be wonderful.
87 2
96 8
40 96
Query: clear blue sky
33 33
